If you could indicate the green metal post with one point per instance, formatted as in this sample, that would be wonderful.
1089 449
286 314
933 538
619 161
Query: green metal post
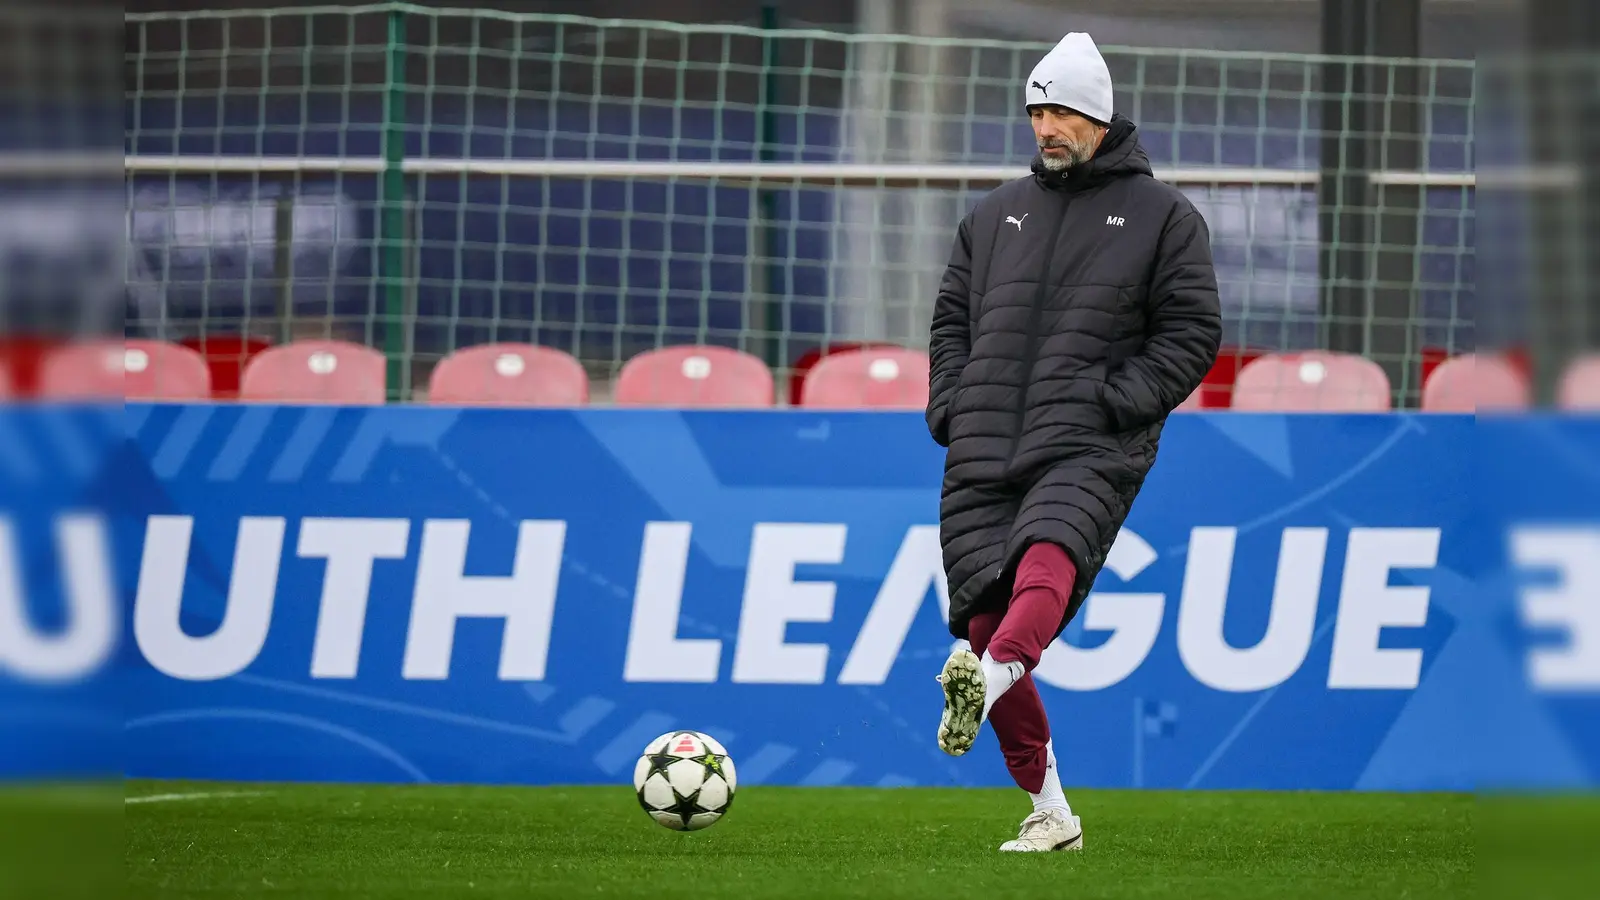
392 203
771 320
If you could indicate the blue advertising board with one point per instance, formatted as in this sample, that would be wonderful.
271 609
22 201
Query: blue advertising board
508 596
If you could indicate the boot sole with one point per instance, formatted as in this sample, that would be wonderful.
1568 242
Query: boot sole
963 702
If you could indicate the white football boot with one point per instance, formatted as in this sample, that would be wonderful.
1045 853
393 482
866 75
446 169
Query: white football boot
965 693
1046 830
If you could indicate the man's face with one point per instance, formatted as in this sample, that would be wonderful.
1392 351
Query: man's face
1065 138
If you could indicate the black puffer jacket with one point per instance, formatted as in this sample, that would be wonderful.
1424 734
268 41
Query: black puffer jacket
1075 314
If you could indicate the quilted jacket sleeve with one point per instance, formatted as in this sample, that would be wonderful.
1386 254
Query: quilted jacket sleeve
1185 329
950 339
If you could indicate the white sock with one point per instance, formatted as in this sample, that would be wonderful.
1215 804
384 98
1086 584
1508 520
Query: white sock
998 677
1050 795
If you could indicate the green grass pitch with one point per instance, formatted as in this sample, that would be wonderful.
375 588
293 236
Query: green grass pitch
431 842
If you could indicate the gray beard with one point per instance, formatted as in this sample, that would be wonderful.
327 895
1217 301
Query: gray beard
1074 157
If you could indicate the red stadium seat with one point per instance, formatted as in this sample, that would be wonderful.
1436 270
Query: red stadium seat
1216 389
1434 357
316 372
1474 382
1430 359
132 369
509 375
82 371
22 358
6 390
226 355
876 378
694 376
1580 386
808 361
1314 381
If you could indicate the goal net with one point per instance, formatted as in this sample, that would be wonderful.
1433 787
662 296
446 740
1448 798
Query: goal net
427 180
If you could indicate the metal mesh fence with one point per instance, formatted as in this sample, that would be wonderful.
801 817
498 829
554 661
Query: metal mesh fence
425 180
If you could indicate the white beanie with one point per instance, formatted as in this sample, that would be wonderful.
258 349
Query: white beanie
1073 74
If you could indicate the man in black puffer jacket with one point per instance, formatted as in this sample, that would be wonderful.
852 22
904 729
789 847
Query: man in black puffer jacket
1078 310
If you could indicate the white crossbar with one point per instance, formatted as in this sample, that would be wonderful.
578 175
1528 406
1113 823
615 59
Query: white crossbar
816 174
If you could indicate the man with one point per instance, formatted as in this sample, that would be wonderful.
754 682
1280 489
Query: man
1078 309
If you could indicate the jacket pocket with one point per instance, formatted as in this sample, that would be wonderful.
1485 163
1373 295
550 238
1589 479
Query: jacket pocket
1095 376
938 414
1084 393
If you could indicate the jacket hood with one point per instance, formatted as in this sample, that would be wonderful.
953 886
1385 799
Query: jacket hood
1119 155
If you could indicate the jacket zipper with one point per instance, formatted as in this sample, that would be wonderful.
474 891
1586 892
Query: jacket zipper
1033 328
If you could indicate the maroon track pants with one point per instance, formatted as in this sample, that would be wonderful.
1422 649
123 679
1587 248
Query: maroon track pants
1019 633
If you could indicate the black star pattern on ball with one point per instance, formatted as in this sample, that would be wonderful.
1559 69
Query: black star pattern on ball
659 763
686 808
710 761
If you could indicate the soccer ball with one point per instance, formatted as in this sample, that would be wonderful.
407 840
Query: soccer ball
685 780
